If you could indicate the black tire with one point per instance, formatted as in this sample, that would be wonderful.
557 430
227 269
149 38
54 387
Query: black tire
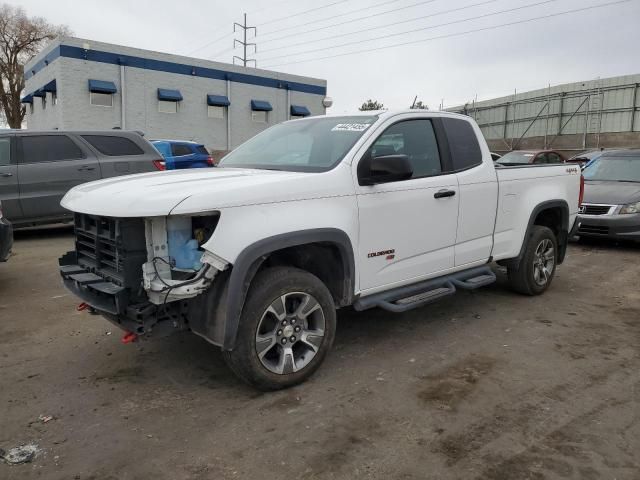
267 287
523 276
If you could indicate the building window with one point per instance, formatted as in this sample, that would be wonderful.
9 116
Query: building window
54 98
101 99
44 101
167 107
259 116
214 111
31 108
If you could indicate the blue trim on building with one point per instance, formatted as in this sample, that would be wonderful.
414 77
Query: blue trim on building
261 106
79 53
218 100
102 86
27 99
169 95
43 63
300 111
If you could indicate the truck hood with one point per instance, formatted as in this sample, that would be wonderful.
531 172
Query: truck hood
194 190
611 193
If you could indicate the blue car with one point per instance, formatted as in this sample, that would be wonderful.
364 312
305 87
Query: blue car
179 154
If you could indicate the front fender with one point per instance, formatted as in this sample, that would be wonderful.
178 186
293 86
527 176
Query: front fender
216 316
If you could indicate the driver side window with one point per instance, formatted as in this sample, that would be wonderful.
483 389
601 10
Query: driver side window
417 140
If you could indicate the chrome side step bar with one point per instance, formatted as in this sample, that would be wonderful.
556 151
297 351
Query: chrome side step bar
413 296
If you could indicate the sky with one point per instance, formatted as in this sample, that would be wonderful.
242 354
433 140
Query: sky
445 52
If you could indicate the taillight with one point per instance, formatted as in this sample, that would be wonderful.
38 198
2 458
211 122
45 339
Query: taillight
160 164
581 197
210 161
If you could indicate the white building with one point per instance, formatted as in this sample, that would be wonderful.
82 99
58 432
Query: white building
81 84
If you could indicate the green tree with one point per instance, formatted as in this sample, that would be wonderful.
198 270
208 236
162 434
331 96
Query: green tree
21 38
371 105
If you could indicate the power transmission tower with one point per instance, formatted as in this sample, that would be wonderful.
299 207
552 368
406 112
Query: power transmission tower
244 43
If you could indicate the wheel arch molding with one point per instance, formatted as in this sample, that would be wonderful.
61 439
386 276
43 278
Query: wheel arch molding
221 325
555 208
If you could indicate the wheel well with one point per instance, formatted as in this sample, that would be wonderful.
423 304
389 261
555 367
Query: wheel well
551 218
323 259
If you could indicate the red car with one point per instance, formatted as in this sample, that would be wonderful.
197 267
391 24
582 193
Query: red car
520 157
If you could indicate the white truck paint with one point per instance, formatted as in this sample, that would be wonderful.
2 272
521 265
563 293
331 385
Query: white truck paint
486 216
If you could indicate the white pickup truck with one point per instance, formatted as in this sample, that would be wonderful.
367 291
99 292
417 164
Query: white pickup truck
376 209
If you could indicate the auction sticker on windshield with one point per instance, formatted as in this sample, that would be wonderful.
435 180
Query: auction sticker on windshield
351 127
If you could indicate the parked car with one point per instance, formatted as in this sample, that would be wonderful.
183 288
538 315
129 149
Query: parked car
180 154
6 237
37 168
611 207
584 158
520 157
309 216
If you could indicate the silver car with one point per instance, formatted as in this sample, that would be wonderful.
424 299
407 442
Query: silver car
38 168
611 206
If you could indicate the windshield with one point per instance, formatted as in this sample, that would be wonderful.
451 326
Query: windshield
617 169
516 157
313 145
587 155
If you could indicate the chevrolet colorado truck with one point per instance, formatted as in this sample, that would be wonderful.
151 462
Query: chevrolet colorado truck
377 209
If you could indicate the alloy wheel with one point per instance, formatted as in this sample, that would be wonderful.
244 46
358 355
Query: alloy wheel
290 333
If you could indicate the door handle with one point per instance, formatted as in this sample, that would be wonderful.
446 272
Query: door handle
86 168
444 193
5 175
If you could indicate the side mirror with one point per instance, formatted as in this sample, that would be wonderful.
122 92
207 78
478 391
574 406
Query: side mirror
384 169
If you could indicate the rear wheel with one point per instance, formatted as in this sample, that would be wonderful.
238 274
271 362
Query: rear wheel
286 328
534 273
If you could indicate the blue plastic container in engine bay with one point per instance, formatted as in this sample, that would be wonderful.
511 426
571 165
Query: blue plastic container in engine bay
183 248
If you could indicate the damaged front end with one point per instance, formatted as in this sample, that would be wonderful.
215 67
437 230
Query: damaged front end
141 273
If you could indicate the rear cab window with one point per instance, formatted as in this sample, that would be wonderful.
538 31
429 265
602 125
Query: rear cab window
113 146
463 144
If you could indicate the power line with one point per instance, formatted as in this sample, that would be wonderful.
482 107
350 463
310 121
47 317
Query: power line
486 2
450 35
301 13
405 32
351 21
333 17
210 43
231 33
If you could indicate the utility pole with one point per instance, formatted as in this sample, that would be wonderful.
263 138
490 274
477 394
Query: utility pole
244 43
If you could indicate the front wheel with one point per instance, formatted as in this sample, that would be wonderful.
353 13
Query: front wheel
534 273
286 328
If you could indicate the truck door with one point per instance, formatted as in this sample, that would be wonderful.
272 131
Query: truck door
478 186
408 228
9 179
50 165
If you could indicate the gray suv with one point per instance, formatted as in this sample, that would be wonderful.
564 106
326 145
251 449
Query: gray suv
38 168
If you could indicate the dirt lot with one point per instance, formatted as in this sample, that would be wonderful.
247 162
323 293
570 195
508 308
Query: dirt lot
481 385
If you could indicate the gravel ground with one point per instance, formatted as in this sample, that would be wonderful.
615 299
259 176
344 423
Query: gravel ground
487 384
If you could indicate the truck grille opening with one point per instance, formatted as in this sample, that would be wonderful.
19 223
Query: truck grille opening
113 248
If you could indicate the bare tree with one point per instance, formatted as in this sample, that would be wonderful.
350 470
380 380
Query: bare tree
21 38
